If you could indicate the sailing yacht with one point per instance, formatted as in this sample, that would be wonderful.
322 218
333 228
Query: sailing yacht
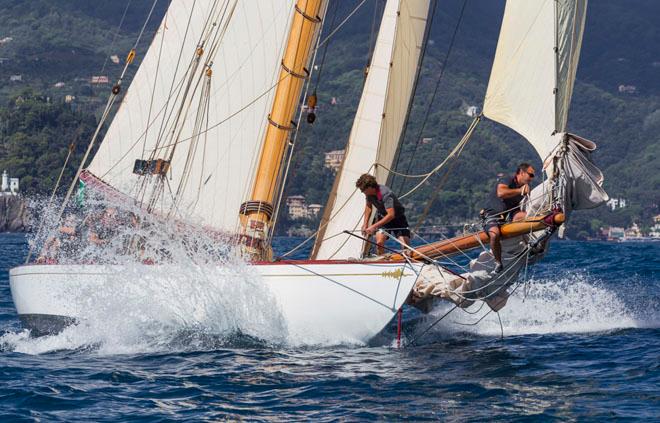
204 135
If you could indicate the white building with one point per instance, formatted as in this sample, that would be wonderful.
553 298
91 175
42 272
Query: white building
9 185
313 210
99 80
16 78
472 111
616 203
296 206
333 159
627 89
655 229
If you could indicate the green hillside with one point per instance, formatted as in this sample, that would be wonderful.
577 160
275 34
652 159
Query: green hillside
69 41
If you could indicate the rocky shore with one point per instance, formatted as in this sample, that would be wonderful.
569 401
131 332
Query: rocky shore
13 214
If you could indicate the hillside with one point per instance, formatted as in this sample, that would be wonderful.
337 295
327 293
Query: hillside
69 41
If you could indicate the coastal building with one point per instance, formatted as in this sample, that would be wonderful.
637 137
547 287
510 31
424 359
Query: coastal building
627 89
313 210
655 229
296 206
69 98
99 80
59 85
15 78
633 231
333 159
616 203
472 111
9 185
615 233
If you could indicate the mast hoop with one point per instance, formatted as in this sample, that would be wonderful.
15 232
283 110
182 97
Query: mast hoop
316 19
293 73
280 126
255 206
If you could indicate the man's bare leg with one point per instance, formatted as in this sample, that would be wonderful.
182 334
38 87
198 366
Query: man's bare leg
405 240
496 246
381 237
521 215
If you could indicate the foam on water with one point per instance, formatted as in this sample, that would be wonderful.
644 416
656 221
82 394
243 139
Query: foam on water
573 303
165 308
201 296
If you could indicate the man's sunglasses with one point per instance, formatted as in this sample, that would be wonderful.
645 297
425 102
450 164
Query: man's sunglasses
531 175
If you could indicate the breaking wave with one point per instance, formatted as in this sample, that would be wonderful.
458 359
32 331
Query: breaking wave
167 308
574 303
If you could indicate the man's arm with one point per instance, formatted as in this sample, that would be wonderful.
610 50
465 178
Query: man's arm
504 191
366 216
382 222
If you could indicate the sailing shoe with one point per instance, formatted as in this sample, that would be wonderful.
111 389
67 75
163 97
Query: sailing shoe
498 269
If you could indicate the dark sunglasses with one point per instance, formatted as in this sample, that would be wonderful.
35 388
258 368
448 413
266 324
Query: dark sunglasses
531 175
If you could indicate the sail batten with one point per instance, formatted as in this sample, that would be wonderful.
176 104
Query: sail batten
378 124
204 87
533 73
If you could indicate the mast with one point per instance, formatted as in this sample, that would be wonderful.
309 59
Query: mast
256 213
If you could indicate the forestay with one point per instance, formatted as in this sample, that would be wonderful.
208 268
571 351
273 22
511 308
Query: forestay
531 84
378 123
215 121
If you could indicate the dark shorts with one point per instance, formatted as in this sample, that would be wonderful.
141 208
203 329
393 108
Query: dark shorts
491 219
397 227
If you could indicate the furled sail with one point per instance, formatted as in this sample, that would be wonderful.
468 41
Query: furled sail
376 131
532 78
201 96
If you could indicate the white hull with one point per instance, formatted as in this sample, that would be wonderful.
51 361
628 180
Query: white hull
347 301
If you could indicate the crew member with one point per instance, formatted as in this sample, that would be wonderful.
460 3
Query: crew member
390 214
505 207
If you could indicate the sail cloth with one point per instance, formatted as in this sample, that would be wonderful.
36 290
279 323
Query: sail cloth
530 85
216 122
377 127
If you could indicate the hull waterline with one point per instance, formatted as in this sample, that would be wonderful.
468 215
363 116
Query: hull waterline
348 301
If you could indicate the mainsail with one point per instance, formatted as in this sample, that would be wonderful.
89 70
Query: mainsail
380 117
532 77
204 88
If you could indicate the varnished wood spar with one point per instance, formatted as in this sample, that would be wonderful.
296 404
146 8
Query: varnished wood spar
257 213
461 243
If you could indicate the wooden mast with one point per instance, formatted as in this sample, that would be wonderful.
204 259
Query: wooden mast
257 212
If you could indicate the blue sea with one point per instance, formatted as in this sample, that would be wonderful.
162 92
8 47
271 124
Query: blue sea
580 340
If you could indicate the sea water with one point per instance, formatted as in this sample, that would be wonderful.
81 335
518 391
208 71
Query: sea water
579 339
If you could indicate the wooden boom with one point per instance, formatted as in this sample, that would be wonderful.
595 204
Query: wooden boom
457 244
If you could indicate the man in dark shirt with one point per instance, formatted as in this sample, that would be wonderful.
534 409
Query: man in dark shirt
390 214
505 207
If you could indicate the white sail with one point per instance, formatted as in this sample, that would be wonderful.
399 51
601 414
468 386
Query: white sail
218 123
531 84
378 123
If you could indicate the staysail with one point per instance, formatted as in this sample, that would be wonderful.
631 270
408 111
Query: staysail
204 87
532 77
376 131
